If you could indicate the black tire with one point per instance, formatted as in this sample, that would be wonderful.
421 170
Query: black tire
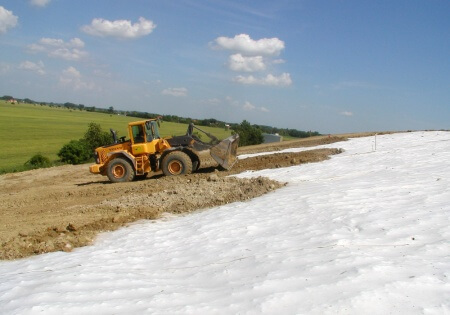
221 168
176 163
195 166
141 177
120 170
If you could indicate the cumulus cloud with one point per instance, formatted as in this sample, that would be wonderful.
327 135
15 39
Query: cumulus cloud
58 48
278 61
54 42
7 20
71 72
250 107
253 56
242 43
71 77
348 114
33 67
212 101
122 29
177 92
281 80
240 63
39 3
246 106
68 54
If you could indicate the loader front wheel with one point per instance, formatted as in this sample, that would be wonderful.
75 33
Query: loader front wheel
120 170
176 163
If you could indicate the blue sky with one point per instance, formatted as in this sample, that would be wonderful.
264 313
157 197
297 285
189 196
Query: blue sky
328 66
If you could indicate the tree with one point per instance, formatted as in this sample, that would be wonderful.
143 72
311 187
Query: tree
74 152
38 161
248 134
29 101
81 151
95 137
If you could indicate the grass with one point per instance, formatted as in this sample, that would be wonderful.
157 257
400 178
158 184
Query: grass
289 138
26 130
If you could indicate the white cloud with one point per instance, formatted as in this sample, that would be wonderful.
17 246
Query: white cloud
102 73
58 48
244 44
72 77
120 28
36 48
7 20
52 42
281 80
76 43
252 56
278 61
348 114
72 72
40 3
237 62
248 106
212 101
68 54
177 92
33 67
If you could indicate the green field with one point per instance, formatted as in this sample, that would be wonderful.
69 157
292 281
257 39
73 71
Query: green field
26 130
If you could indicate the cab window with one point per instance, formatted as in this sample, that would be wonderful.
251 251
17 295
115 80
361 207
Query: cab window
149 133
155 129
138 134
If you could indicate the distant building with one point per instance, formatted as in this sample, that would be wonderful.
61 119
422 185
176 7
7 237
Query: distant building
269 138
12 101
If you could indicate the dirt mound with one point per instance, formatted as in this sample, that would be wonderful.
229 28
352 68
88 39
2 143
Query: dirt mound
277 160
277 146
66 207
61 219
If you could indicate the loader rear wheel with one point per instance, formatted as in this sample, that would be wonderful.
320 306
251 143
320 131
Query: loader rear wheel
176 163
120 170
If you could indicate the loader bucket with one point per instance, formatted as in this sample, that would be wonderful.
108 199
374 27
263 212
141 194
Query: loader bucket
225 153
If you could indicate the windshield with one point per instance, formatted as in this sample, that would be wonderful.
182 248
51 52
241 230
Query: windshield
155 129
152 131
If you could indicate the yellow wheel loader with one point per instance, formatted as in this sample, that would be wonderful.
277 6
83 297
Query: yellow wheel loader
145 151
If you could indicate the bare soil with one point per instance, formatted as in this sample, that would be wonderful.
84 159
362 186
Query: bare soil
61 208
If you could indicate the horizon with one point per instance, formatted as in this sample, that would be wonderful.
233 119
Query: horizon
334 67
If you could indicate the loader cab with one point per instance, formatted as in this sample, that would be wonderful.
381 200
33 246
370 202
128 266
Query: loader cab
145 131
144 136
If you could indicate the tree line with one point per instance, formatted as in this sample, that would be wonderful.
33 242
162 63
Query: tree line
211 122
